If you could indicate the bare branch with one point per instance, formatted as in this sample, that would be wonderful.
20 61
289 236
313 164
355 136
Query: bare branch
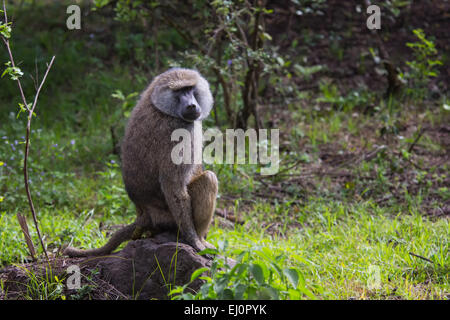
25 160
42 83
28 130
420 257
14 65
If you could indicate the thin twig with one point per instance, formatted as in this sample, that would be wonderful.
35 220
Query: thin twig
413 144
420 257
13 65
372 154
25 160
28 130
42 83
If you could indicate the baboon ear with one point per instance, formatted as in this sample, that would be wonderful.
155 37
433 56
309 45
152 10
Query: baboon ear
163 99
204 97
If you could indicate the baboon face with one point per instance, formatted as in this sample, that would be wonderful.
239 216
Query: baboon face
182 93
188 107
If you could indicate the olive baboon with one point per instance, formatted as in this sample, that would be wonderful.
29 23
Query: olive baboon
168 196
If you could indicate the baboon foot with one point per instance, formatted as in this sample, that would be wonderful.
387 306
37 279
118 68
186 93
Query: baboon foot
137 233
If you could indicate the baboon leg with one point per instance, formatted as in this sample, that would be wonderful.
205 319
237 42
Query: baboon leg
203 192
117 238
141 223
154 219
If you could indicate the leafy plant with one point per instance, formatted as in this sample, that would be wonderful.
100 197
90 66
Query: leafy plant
257 274
43 286
423 67
227 39
15 74
5 28
330 94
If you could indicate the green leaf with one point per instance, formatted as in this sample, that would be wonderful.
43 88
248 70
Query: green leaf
292 275
227 294
208 251
239 291
277 269
23 109
220 285
267 36
406 155
118 95
176 290
294 294
206 278
197 273
257 272
308 293
5 72
204 290
188 296
101 3
271 292
242 267
252 293
5 30
14 72
132 95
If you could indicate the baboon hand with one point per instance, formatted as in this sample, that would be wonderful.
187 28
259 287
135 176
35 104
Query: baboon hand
198 245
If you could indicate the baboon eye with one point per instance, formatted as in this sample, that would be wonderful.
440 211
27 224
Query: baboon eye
184 89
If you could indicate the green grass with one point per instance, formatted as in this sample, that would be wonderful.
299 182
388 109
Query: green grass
333 249
336 247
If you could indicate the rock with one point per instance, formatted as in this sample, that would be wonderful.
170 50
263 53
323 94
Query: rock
149 268
144 269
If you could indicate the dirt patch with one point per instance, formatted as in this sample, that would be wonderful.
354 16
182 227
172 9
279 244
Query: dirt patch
335 35
144 269
47 280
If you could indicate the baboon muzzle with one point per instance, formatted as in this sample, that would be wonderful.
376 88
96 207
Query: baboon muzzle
190 109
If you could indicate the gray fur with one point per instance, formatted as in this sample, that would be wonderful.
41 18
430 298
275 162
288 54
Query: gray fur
165 194
162 96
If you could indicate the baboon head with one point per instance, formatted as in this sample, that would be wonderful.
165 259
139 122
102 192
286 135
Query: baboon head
182 93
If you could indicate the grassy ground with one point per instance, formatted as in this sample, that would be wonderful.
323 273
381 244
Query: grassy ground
358 196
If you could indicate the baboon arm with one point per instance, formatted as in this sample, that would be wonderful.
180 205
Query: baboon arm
179 203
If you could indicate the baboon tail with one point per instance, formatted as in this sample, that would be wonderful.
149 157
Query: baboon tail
117 238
